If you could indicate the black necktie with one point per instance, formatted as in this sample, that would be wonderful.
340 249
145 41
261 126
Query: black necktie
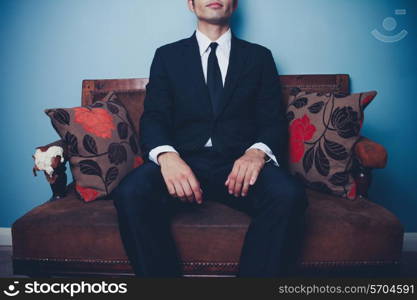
214 78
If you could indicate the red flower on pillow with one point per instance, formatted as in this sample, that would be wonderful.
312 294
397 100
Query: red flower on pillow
97 121
300 130
86 193
137 161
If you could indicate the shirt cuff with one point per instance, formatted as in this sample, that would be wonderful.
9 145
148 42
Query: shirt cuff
267 150
153 154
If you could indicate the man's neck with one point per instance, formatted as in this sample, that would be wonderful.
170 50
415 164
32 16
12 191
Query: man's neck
212 31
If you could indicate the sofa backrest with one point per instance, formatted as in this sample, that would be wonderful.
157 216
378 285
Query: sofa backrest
131 91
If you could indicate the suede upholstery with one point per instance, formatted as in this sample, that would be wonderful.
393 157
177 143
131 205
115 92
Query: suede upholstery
337 229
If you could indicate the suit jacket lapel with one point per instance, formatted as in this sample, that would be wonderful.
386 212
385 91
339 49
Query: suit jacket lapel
237 60
194 69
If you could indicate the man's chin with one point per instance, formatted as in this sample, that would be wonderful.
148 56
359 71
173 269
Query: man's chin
216 20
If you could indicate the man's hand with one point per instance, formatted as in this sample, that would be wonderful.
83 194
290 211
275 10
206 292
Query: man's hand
179 178
245 172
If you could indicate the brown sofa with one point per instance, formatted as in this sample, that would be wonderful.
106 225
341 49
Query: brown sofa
69 237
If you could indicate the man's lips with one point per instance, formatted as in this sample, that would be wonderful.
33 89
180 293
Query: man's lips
215 5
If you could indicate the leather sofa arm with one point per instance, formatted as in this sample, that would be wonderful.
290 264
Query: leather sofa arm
52 162
370 154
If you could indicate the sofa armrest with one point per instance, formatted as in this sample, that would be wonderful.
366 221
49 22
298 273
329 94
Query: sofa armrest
371 154
368 155
53 166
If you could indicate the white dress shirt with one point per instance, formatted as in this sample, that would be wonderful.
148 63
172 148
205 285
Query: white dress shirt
222 53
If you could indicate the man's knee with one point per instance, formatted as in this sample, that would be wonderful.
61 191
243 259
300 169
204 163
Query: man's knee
138 187
287 191
294 189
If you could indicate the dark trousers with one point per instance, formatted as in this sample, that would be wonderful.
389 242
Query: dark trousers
276 202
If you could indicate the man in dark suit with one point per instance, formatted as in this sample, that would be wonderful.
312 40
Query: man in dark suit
213 127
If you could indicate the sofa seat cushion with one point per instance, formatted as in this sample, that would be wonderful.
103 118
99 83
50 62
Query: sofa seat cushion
344 231
337 230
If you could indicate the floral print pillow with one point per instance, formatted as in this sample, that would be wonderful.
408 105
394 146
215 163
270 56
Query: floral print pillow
101 143
323 129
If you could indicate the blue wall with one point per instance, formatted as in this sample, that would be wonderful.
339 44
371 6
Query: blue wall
50 46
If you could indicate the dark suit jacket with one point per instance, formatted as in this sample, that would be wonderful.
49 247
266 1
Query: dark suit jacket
178 111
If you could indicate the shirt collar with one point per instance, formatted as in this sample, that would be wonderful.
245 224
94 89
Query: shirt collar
204 42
